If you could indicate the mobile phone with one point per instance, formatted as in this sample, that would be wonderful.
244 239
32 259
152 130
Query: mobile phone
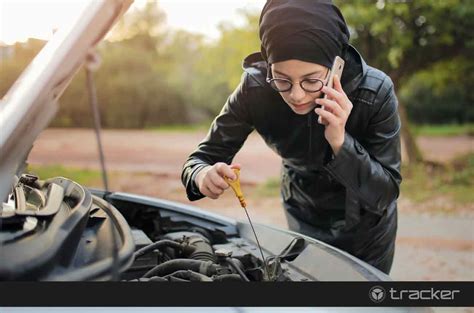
336 69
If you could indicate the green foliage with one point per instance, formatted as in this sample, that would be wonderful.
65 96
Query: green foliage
424 46
401 37
270 188
445 130
14 59
219 69
82 176
441 93
152 76
181 128
454 180
463 170
131 91
143 27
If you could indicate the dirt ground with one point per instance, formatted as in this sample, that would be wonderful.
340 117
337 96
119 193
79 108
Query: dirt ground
430 246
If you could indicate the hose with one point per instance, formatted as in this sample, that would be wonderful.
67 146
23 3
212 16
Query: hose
235 267
152 279
227 277
173 279
156 278
189 275
203 267
157 245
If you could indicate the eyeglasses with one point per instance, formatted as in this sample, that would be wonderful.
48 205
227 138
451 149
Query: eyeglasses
284 85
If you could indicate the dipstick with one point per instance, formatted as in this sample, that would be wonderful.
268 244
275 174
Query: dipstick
235 185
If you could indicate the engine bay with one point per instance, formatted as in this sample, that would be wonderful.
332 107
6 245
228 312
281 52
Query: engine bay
172 246
58 230
189 256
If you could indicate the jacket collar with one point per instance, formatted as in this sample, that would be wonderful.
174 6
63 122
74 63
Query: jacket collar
354 70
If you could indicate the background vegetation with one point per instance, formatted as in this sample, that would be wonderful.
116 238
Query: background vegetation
151 76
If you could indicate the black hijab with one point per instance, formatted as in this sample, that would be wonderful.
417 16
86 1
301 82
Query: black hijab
308 30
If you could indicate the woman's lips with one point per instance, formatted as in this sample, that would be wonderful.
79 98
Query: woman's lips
302 106
298 105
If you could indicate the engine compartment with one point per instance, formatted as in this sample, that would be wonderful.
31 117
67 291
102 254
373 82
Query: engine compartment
173 246
58 230
191 256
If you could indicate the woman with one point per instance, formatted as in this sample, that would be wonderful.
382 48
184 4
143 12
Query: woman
340 155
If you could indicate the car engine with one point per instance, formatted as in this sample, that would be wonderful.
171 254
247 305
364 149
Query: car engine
57 230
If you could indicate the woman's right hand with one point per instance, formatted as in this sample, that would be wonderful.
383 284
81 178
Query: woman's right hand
211 182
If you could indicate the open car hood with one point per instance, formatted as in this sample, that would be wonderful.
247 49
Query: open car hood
31 103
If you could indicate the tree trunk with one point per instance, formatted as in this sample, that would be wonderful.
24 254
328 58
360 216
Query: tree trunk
413 153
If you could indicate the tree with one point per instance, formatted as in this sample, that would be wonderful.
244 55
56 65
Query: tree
441 93
403 37
179 58
14 59
133 88
220 68
143 27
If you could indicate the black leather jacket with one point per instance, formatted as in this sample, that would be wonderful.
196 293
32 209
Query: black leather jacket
363 177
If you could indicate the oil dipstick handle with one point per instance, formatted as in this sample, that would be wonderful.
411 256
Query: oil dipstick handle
235 185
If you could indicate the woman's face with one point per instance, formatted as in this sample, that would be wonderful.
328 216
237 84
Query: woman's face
299 100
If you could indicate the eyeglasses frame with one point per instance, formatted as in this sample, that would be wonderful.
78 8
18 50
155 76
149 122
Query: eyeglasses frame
269 80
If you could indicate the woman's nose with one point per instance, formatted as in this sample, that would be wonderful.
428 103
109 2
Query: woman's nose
297 93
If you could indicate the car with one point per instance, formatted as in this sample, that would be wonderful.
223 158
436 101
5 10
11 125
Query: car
54 229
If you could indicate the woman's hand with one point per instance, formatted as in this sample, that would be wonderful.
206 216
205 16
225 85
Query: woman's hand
337 108
210 180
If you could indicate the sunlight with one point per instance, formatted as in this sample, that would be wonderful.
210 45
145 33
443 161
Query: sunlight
23 19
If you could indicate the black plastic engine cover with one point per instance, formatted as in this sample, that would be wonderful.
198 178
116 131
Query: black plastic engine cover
74 243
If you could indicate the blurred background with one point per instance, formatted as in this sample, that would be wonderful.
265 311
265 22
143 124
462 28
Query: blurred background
168 67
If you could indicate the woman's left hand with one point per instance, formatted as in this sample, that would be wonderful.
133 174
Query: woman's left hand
337 108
